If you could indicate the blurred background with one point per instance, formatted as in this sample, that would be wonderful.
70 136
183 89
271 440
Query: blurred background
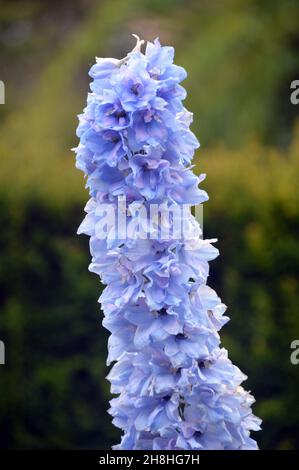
241 56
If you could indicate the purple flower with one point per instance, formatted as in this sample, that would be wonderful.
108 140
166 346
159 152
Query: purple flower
109 112
133 84
176 387
160 65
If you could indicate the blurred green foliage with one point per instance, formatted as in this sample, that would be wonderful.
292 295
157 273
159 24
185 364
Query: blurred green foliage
254 208
241 57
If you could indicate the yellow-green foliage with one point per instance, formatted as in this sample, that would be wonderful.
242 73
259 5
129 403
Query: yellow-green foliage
256 175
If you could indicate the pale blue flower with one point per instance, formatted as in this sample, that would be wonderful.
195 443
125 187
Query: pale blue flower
176 387
133 84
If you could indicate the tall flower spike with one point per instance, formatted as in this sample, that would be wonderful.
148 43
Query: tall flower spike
176 387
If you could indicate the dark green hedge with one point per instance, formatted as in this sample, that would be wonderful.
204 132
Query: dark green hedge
53 388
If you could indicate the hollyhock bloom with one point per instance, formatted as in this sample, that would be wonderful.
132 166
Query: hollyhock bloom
176 387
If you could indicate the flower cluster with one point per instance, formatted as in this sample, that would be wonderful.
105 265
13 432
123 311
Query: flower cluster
176 387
